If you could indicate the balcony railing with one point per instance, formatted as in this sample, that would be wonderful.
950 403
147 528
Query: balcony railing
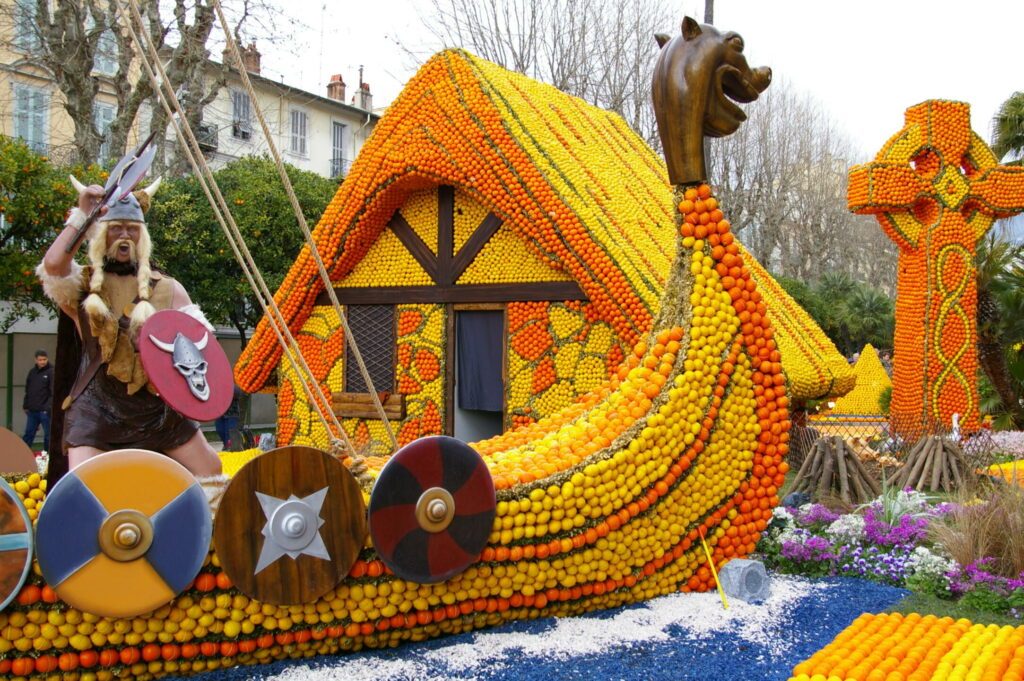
339 167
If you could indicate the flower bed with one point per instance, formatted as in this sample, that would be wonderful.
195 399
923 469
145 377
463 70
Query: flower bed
892 541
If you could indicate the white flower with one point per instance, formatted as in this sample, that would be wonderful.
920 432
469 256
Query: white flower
923 562
782 513
850 526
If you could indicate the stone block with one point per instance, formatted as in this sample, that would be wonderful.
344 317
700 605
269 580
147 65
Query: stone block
745 580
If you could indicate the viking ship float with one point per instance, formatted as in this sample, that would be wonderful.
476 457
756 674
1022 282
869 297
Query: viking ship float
603 503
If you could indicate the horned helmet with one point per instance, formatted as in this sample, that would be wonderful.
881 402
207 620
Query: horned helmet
131 208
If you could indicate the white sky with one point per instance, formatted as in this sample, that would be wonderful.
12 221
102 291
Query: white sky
865 61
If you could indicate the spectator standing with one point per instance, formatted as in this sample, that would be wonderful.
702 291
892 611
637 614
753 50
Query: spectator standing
228 421
38 398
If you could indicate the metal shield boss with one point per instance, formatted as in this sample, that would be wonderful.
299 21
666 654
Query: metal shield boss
186 365
123 533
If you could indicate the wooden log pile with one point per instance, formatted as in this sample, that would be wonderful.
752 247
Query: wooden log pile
934 464
832 467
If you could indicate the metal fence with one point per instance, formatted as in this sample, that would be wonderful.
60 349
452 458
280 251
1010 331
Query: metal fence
883 446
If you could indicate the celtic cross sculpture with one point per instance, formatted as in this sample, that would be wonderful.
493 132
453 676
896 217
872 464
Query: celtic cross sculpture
936 188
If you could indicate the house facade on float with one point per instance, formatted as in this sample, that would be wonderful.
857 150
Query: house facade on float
497 247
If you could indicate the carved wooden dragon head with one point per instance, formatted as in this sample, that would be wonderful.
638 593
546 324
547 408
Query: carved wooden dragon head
700 75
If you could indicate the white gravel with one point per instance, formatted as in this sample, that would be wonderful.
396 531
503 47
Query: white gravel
701 615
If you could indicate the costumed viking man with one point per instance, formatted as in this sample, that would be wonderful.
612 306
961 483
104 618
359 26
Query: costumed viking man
102 396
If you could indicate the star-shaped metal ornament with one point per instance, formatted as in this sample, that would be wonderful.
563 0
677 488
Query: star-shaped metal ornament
292 528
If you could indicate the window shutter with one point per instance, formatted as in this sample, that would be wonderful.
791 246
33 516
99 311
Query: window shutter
373 328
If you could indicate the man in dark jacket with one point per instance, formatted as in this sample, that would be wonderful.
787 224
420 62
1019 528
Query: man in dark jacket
38 396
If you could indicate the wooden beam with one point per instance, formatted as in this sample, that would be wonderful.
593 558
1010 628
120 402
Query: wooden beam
468 293
479 307
475 244
414 244
449 370
445 234
360 406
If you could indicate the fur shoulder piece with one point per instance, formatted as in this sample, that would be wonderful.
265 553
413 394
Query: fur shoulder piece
66 291
192 310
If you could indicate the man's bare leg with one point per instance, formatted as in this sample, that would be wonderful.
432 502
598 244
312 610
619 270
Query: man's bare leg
197 456
79 455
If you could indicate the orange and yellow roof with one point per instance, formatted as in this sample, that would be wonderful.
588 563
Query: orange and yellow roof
583 190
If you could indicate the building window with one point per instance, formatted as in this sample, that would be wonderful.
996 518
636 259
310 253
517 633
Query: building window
105 60
241 109
26 31
31 113
102 118
300 126
339 164
373 328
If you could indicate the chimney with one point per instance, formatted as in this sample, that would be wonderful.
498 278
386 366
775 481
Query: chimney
365 98
336 88
251 58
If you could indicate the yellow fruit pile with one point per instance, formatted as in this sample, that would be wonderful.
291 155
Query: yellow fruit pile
896 647
872 381
31 490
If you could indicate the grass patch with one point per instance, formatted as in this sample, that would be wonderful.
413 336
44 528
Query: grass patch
924 604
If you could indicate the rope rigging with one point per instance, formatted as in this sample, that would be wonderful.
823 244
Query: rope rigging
291 351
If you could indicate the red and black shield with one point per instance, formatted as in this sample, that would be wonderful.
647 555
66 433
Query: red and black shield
186 365
432 509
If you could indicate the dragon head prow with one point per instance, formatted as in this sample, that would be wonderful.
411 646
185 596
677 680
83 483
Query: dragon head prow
700 76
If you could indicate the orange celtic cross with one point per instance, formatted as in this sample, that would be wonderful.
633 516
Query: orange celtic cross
936 188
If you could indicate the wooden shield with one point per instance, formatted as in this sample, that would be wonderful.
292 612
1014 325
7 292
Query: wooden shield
186 365
15 544
290 526
15 455
123 533
432 509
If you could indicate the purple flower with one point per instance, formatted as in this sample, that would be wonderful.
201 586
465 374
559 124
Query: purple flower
817 515
909 530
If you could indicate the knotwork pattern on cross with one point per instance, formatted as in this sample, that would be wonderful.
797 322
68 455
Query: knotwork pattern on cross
936 188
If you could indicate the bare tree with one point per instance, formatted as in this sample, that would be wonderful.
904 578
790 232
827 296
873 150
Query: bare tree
602 51
74 37
782 178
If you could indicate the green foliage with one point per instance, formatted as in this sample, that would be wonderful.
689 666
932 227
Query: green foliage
983 598
34 197
885 400
929 583
189 244
927 604
1008 127
851 313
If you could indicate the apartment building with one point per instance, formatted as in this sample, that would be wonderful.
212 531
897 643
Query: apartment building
321 133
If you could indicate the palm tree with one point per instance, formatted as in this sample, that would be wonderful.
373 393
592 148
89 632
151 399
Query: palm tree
1008 129
870 316
1000 275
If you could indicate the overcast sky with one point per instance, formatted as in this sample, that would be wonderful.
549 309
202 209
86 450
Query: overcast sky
865 61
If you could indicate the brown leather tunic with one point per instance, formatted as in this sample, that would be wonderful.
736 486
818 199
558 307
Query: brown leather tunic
109 409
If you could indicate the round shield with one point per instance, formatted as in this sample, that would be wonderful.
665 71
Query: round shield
15 455
290 526
15 544
432 509
186 365
123 533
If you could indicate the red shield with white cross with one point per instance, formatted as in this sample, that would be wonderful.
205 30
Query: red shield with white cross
186 365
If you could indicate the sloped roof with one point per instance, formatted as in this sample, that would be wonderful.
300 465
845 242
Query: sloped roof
587 195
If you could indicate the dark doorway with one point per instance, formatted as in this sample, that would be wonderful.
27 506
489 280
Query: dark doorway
479 395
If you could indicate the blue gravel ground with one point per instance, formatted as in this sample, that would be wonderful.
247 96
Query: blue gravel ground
754 646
